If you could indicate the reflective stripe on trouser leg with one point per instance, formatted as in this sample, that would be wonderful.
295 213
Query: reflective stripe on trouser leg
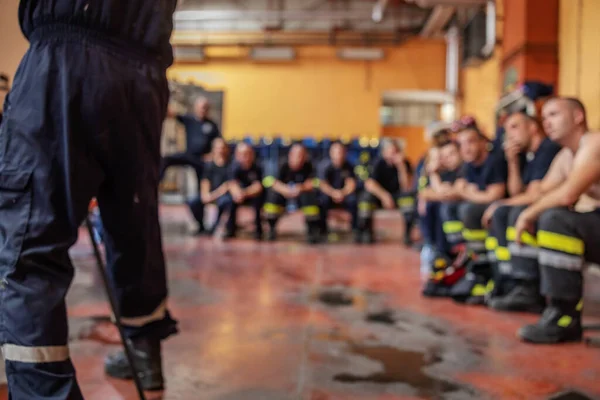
566 239
274 205
491 244
453 231
308 202
273 210
406 204
367 204
452 226
366 209
496 243
475 239
474 233
524 256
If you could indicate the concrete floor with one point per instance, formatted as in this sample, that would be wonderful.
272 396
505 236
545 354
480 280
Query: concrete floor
287 321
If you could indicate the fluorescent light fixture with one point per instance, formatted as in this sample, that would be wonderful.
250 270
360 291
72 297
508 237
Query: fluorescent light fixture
272 53
363 54
188 53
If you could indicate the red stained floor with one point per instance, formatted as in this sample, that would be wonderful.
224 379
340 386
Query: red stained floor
255 324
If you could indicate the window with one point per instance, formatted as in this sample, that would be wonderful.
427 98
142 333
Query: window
409 114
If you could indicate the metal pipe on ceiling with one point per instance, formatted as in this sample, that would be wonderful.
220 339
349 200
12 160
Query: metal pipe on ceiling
490 35
438 19
379 10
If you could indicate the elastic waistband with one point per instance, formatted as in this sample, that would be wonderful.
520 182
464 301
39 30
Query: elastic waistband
82 34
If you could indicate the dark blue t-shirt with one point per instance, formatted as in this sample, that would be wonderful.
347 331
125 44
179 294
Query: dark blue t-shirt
492 170
287 175
451 176
387 175
216 174
536 165
245 177
336 177
199 134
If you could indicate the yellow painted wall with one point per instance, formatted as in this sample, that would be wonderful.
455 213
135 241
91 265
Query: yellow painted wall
579 54
481 92
317 94
481 85
12 43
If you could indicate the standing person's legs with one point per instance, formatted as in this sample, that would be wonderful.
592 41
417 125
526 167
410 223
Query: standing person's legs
196 207
182 159
50 169
128 200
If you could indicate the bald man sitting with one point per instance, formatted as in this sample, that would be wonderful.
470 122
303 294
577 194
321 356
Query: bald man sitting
245 187
295 182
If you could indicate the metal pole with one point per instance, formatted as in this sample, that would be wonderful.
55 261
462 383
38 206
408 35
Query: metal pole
113 305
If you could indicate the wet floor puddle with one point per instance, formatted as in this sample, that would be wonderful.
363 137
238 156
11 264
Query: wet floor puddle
400 366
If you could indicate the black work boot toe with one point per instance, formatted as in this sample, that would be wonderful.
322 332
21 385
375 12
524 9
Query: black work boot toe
147 359
521 299
554 326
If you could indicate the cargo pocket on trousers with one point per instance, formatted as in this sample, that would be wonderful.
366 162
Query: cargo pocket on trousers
15 212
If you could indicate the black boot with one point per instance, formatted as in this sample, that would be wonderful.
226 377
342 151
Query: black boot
229 234
272 235
313 233
147 359
560 322
368 237
357 236
524 297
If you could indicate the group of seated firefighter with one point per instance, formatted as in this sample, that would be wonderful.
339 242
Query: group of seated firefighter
298 184
512 228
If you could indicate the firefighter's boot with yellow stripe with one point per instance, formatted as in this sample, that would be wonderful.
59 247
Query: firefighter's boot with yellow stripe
560 322
524 297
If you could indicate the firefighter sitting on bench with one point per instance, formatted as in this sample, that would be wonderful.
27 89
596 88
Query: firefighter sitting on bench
564 223
386 186
529 154
214 188
295 183
245 187
337 185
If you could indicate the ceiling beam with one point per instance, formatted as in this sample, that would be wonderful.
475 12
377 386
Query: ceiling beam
379 10
438 19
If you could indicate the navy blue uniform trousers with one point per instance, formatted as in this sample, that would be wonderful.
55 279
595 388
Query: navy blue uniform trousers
83 119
